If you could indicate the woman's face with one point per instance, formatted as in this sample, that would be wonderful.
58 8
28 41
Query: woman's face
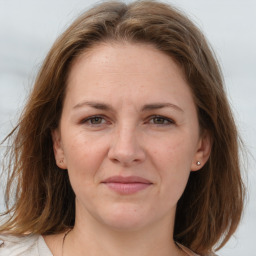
129 135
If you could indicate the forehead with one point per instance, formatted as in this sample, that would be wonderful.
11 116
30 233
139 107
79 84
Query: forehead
111 69
108 56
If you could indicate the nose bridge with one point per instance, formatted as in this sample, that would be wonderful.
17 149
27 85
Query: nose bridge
126 138
126 147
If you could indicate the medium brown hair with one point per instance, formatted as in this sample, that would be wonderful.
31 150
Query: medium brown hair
210 208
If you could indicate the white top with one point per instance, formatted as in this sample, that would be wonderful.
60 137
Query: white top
34 245
30 245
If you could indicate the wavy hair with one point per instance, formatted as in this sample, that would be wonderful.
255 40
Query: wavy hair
44 203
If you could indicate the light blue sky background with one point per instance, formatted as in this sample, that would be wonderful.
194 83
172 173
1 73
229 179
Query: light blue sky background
29 27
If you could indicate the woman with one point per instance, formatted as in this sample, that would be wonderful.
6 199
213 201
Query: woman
127 145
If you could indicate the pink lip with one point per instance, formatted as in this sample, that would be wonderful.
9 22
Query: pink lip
127 185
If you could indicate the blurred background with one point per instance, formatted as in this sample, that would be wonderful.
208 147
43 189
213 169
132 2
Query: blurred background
28 28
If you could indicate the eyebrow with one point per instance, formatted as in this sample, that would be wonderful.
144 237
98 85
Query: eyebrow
107 107
96 105
154 106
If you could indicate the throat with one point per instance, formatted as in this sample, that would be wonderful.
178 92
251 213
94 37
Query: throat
123 245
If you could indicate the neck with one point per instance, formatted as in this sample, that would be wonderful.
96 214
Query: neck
93 238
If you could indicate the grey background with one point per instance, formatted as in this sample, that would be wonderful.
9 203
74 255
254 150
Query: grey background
29 27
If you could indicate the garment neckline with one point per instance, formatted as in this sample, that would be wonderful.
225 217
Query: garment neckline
43 248
186 250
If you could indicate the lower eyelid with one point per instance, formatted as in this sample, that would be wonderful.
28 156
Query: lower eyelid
165 119
88 119
150 120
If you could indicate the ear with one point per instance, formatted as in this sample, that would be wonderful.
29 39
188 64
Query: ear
203 151
58 149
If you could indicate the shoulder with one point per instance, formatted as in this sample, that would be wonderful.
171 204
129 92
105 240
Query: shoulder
27 245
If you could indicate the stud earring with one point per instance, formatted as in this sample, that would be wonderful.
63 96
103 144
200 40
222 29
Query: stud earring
61 161
198 163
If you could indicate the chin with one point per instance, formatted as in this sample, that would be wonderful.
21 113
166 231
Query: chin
125 219
125 225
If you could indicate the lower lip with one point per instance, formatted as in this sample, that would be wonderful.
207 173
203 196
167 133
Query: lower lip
127 188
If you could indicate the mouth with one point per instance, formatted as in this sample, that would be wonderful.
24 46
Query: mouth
127 185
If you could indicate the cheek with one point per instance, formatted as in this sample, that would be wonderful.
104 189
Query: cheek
173 160
83 164
84 156
81 148
176 152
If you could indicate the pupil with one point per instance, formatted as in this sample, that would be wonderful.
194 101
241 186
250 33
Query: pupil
96 120
158 120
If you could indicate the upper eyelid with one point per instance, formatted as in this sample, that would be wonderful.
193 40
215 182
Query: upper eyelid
161 116
92 117
171 120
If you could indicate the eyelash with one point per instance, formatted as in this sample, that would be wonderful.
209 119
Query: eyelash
165 121
91 118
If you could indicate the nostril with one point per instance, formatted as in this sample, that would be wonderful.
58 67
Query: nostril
126 149
115 160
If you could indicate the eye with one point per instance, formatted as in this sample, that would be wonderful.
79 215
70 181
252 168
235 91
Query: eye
160 120
94 120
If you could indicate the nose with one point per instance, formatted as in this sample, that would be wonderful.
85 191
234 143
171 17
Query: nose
125 148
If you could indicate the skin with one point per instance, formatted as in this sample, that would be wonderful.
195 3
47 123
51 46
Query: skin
128 111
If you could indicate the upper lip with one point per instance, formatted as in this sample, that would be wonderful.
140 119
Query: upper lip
129 179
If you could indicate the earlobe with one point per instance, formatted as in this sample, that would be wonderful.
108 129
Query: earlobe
58 149
203 151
